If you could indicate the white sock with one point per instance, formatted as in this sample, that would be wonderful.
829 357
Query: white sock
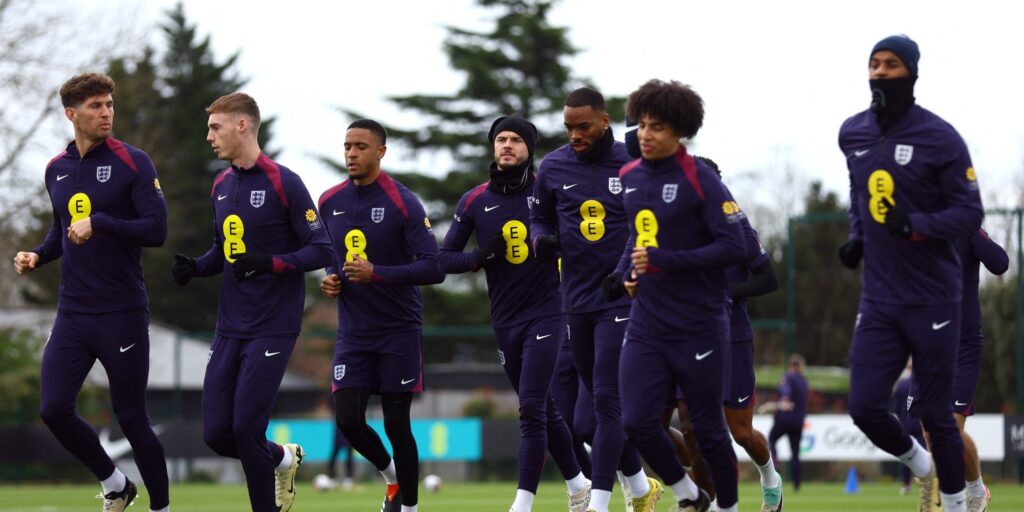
638 484
714 504
976 488
114 483
286 461
954 502
576 483
390 477
599 500
917 459
769 477
524 501
408 508
685 489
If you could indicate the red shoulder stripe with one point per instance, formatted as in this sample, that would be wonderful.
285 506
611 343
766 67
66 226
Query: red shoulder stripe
479 189
391 189
629 167
689 166
122 152
273 172
331 191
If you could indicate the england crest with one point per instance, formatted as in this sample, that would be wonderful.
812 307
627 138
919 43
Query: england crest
668 192
103 173
339 371
904 153
377 215
501 357
614 185
257 197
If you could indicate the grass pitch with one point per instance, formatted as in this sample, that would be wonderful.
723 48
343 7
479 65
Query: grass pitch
466 497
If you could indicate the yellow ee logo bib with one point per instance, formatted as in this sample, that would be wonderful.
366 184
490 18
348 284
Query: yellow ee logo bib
646 228
79 206
355 242
880 187
233 232
592 226
516 249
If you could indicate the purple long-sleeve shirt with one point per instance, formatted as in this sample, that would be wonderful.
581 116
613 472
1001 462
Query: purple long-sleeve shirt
974 251
267 211
681 211
384 223
581 203
115 185
520 286
922 166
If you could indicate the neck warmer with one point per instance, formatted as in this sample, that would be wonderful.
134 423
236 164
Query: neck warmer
891 98
510 179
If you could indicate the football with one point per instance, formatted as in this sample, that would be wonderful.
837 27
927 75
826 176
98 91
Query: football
432 483
324 483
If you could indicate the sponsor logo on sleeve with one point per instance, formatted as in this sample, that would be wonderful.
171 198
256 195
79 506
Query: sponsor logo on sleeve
312 219
159 191
732 211
972 179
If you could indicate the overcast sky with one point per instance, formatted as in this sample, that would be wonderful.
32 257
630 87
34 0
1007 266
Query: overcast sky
778 78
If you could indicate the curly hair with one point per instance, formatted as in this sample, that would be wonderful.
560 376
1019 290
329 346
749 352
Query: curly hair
82 87
673 103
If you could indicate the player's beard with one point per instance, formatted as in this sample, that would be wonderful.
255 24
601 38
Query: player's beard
891 98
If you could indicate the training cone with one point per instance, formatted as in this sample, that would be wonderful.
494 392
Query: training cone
852 486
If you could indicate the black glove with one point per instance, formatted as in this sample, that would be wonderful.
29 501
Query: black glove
491 252
248 266
611 287
183 269
546 247
897 220
851 252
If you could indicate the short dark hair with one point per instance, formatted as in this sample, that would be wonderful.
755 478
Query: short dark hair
373 126
673 103
84 86
236 103
585 97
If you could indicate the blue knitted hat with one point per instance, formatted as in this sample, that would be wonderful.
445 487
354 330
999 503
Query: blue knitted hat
904 47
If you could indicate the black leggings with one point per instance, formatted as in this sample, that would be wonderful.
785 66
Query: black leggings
793 432
350 412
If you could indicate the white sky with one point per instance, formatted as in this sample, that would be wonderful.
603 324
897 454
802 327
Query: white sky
778 78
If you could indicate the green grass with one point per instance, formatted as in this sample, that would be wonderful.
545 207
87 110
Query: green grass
472 497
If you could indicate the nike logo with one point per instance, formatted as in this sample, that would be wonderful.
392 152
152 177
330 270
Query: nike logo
539 337
959 403
630 190
701 357
489 208
126 349
62 177
336 212
250 273
622 319
567 187
220 197
406 381
744 399
861 152
937 326
271 354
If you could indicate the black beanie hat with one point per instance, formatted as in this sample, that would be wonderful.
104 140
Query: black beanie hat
904 47
517 124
